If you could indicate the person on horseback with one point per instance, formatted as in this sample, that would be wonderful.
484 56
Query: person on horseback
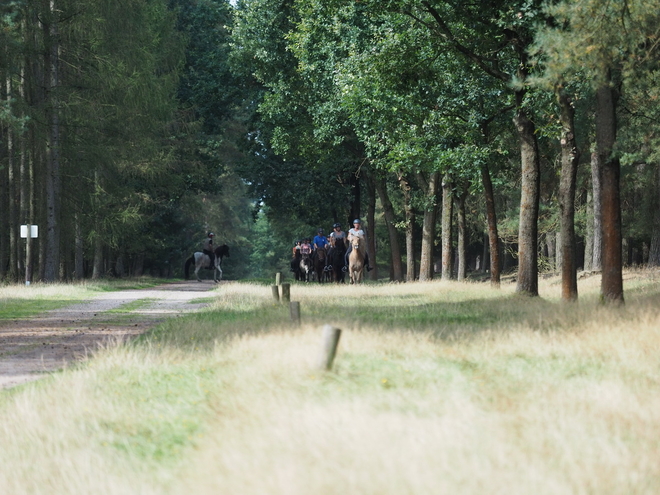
306 247
337 234
320 240
296 249
207 248
357 230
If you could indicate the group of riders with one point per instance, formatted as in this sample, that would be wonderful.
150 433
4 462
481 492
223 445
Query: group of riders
326 256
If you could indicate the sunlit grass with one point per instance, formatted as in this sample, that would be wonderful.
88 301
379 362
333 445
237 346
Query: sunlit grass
436 388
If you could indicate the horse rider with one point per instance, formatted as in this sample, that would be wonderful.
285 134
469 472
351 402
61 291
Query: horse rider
207 248
320 240
357 230
337 234
296 248
306 247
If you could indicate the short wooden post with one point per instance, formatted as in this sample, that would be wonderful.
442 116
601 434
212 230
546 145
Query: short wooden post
329 347
286 293
278 278
276 292
294 309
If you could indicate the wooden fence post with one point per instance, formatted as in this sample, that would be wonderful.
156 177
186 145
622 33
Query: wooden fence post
329 347
294 309
278 278
286 293
276 292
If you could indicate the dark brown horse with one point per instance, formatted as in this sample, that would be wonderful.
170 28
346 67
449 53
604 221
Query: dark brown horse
337 261
319 259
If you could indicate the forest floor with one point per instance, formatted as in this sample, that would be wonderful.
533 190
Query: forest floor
34 346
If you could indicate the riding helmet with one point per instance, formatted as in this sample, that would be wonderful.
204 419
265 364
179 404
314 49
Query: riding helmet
336 226
211 234
357 220
320 231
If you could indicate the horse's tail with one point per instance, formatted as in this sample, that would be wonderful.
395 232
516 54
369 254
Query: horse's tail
189 262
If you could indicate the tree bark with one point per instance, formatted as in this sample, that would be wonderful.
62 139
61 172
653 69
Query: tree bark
371 222
589 235
53 179
430 188
529 205
462 235
612 278
493 236
654 248
597 186
390 221
569 164
447 213
410 221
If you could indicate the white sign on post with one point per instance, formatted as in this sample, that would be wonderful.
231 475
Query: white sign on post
34 231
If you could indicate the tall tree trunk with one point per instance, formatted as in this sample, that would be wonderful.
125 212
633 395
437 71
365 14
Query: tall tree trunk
493 236
12 188
612 279
410 221
390 221
53 179
462 235
79 263
654 248
597 186
430 188
589 235
371 222
569 164
447 214
528 276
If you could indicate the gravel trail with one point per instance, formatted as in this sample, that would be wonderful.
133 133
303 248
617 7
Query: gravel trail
32 347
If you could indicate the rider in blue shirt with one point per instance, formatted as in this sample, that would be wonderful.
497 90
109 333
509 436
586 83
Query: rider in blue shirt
320 240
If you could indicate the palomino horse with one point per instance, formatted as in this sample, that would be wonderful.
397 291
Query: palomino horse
319 259
201 260
356 257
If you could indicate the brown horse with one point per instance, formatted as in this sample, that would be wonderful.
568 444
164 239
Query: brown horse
319 259
356 257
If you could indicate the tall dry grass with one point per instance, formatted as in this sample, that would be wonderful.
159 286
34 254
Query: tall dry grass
497 394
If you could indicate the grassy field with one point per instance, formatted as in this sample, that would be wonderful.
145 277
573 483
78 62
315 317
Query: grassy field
437 388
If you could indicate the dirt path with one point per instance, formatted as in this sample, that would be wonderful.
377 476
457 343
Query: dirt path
29 348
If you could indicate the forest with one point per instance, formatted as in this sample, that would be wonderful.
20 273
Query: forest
474 139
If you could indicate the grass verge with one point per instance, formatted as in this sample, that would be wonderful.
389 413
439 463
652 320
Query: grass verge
437 388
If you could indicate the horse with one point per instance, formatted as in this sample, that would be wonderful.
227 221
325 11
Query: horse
202 260
337 261
319 263
356 257
305 267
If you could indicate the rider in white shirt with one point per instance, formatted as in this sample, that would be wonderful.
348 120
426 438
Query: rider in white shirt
357 230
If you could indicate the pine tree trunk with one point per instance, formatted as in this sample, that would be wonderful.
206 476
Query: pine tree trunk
79 264
493 236
612 279
371 222
390 222
430 189
567 184
12 189
53 179
447 213
654 248
410 221
528 278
